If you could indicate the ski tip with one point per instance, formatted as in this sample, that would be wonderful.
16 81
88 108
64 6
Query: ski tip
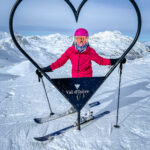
42 139
94 104
37 139
101 114
37 120
106 112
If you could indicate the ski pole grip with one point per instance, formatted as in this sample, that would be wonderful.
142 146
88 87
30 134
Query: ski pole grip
39 74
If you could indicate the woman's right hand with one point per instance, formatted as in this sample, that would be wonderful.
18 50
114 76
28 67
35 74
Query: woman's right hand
45 69
38 73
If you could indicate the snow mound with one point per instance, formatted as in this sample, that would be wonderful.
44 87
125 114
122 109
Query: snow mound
21 69
6 77
8 52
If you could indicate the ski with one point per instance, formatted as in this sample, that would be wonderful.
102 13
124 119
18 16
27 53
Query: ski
57 116
51 136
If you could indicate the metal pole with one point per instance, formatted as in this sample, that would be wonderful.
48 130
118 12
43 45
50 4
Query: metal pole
118 103
79 128
51 113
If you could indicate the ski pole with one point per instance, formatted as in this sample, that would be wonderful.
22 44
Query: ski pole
51 113
79 115
118 103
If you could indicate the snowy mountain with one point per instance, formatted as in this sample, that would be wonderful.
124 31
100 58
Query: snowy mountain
22 96
147 44
108 44
114 44
4 35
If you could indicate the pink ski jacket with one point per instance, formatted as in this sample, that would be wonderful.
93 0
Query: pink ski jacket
81 62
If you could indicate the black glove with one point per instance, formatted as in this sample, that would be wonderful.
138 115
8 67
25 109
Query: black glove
39 73
45 69
123 61
113 61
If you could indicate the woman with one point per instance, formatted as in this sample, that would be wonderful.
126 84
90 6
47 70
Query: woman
81 55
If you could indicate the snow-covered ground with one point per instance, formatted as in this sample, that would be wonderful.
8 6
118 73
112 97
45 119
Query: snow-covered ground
22 97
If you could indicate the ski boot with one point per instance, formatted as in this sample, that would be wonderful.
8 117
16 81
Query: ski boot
84 118
71 110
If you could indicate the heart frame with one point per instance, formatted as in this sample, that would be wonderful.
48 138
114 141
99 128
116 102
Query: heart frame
76 13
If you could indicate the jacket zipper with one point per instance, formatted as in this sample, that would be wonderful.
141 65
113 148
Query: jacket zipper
78 64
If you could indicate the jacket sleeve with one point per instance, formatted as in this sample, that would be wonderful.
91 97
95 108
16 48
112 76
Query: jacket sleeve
98 59
61 61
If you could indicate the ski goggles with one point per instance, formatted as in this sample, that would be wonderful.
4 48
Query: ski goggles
80 38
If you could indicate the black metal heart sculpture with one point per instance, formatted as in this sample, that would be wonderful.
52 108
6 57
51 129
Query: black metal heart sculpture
76 12
79 93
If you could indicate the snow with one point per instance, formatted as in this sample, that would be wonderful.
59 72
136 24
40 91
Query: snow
22 96
147 44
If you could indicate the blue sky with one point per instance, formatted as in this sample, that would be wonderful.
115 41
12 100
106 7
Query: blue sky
51 16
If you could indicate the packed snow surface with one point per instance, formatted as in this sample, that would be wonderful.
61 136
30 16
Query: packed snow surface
22 96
